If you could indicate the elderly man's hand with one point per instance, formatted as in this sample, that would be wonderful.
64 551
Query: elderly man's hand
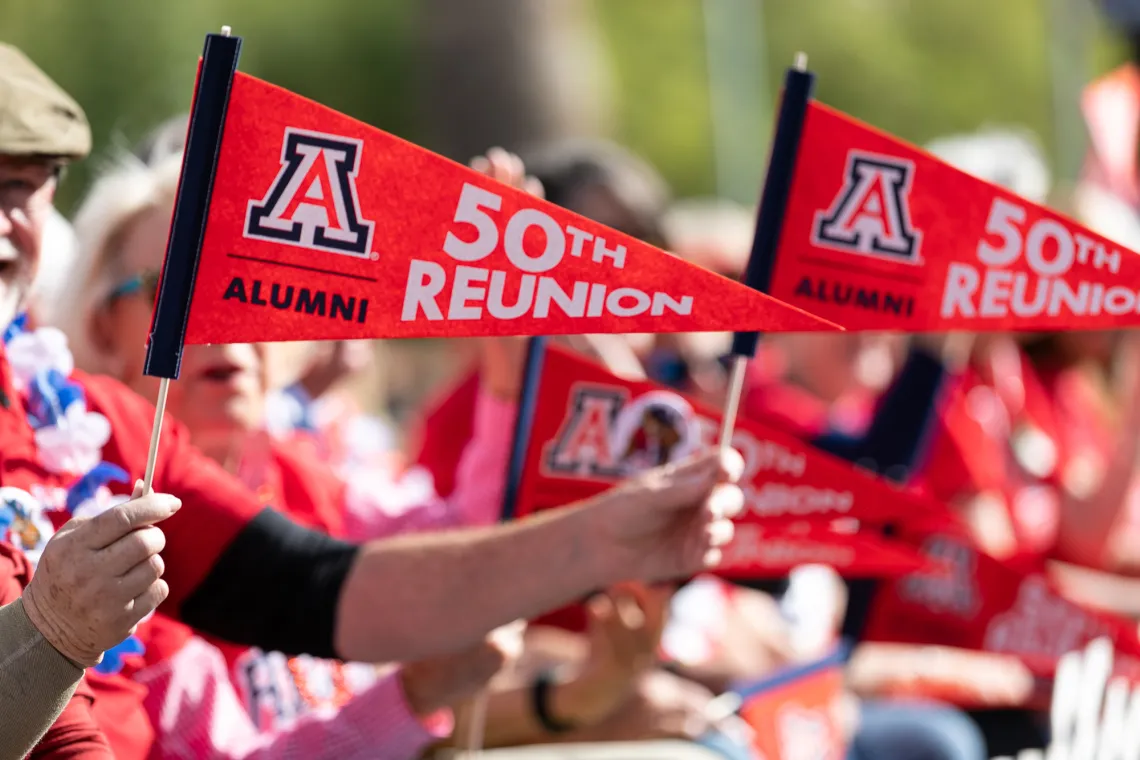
99 577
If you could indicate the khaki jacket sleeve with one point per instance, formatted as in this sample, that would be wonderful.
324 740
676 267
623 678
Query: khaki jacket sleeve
36 683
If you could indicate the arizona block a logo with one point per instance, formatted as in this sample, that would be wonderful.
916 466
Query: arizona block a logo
871 213
313 202
607 435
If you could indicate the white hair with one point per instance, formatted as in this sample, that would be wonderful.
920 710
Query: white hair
58 252
127 188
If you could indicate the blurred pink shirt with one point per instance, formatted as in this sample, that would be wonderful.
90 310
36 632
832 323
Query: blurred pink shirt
204 708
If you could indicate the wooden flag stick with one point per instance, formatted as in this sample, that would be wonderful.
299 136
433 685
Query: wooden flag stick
732 402
476 726
155 434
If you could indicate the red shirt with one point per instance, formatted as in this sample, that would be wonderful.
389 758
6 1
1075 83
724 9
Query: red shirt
998 433
291 475
797 411
447 426
215 508
1089 425
75 734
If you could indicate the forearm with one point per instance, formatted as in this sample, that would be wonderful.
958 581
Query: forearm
510 720
36 682
1097 589
1087 523
716 675
413 597
959 676
578 703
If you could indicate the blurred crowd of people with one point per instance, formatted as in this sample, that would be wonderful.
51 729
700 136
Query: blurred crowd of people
304 548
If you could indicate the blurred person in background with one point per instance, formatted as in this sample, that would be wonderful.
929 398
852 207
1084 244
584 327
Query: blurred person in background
1013 159
1107 197
840 375
610 185
1039 439
864 397
847 394
1021 449
313 403
599 180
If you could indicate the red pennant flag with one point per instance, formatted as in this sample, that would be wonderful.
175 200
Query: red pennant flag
798 713
880 235
596 428
759 551
971 600
321 227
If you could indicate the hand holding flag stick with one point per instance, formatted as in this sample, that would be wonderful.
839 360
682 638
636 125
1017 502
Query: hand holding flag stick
769 220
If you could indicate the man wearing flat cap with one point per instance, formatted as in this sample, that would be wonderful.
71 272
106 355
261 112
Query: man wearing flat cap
41 129
239 570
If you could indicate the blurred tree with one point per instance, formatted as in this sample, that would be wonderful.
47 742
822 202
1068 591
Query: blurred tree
131 63
918 68
663 110
511 73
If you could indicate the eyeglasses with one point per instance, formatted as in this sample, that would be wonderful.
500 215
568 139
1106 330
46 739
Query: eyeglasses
20 180
144 284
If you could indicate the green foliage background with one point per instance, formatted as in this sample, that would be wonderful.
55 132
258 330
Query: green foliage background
917 68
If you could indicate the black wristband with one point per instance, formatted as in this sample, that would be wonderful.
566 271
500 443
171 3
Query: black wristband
540 696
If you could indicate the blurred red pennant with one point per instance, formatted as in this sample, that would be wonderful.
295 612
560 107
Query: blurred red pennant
591 429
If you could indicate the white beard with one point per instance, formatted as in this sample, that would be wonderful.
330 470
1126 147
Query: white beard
13 284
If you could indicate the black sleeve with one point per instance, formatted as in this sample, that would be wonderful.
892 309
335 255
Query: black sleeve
896 437
276 586
892 446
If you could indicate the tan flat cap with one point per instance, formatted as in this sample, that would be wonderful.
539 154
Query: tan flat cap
36 116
